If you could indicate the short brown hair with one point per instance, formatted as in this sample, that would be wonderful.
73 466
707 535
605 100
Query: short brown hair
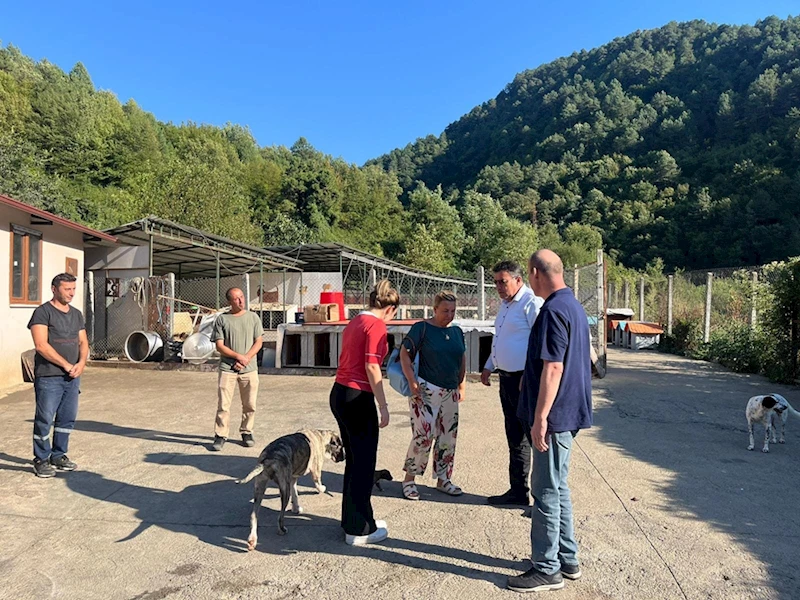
384 295
443 296
63 278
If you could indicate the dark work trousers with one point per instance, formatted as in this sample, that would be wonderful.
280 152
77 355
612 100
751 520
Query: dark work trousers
517 435
56 404
358 424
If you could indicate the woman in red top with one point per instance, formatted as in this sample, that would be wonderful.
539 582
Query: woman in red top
358 385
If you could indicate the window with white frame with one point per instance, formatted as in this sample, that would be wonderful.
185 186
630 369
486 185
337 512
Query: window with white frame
26 266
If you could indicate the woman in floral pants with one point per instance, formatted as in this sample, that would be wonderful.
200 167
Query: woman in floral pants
435 394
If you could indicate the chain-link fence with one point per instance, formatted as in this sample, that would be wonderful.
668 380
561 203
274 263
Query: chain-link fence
275 296
417 291
116 307
683 298
172 308
589 289
746 318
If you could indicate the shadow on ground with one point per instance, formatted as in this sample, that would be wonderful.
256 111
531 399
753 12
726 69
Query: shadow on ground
218 513
138 433
688 417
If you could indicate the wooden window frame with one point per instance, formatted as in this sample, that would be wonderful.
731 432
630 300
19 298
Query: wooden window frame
27 235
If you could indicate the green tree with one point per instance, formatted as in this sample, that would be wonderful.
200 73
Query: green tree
492 235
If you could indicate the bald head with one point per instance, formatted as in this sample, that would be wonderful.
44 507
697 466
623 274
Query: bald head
546 273
547 262
235 298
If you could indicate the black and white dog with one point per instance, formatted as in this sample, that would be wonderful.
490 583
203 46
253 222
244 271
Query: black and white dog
768 410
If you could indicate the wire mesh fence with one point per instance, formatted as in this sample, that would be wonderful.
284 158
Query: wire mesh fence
172 308
417 291
587 282
686 294
116 307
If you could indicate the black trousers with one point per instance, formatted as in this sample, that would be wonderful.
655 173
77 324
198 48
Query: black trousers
358 425
517 435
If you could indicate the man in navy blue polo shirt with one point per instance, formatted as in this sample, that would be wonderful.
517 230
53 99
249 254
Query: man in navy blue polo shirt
555 402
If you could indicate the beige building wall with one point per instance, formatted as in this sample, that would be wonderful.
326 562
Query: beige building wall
58 244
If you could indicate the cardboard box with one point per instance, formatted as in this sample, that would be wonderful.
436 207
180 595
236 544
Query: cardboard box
321 313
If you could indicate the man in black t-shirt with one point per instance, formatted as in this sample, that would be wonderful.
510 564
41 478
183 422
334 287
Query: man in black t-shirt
62 348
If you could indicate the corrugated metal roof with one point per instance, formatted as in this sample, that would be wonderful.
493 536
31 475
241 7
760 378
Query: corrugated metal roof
193 253
333 257
644 328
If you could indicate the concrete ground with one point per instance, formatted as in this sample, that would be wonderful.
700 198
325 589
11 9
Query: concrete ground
669 504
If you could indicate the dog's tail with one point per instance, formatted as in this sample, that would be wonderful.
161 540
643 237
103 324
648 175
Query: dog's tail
252 474
792 410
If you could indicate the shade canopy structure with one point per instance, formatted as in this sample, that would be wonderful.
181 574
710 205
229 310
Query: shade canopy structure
191 253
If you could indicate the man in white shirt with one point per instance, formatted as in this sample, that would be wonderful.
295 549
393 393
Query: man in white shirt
512 327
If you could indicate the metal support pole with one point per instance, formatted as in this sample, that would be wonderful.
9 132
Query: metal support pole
481 294
171 305
261 292
601 311
285 316
364 281
89 308
641 298
150 248
302 291
106 302
217 304
754 292
626 294
670 279
707 324
576 280
373 277
247 290
171 313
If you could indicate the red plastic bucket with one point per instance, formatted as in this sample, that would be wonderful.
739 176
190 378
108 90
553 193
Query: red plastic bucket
334 298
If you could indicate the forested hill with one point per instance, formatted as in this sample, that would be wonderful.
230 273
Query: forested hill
681 142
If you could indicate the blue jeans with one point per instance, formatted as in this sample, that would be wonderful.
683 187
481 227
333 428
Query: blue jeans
56 404
552 533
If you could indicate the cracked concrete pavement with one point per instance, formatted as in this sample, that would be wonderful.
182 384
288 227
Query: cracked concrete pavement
668 502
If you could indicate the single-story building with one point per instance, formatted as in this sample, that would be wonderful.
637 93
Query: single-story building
37 246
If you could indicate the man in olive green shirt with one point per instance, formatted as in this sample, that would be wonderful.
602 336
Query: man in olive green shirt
237 335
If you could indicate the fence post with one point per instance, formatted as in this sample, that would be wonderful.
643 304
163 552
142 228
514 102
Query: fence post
246 290
626 293
90 305
481 294
707 323
576 281
283 299
373 277
260 293
641 298
601 312
753 314
669 304
171 306
302 291
217 304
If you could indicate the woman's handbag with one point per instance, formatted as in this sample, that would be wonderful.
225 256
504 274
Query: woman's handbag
394 368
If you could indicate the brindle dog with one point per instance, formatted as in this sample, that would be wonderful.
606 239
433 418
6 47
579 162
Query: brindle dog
283 461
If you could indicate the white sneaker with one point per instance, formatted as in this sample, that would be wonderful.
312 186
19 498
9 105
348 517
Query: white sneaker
376 536
381 524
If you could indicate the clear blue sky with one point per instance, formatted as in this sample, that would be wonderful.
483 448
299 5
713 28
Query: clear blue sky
356 78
